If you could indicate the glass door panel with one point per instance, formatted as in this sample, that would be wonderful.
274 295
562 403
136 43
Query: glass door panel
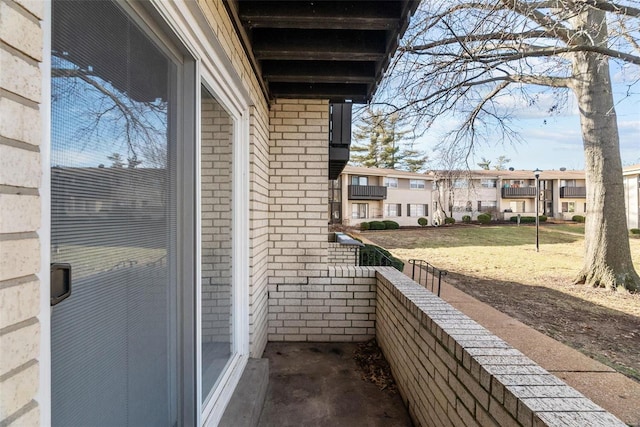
113 220
217 214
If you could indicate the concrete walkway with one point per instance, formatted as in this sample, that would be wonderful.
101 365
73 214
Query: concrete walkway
611 390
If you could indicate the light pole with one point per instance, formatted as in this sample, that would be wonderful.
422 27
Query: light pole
536 173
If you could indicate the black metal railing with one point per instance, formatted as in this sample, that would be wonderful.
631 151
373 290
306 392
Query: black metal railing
427 275
372 256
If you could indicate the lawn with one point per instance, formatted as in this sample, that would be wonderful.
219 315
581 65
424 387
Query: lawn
500 266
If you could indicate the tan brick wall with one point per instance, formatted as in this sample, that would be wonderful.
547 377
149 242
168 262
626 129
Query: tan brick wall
21 52
342 254
298 218
452 372
338 307
218 19
217 165
259 229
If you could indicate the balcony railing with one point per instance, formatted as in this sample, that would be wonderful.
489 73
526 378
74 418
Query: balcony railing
518 192
367 192
573 192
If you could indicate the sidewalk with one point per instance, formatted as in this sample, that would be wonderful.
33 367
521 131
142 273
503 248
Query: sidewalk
611 390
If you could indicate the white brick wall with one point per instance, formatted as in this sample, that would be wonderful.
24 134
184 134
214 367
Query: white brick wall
20 171
217 156
338 307
299 135
453 372
342 254
216 15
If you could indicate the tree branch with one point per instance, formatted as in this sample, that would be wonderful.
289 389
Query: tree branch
608 6
500 35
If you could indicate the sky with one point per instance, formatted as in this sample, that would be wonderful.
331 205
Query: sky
550 142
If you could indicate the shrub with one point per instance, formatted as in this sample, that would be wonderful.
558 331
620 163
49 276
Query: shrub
543 218
635 231
484 218
577 218
391 225
376 225
524 219
466 219
449 220
364 226
372 255
423 221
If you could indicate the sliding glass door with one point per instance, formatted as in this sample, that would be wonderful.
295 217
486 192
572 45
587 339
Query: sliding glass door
114 224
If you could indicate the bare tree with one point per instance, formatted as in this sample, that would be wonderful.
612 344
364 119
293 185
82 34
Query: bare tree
468 59
453 170
112 116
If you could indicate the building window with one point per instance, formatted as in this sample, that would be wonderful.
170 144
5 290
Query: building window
415 184
391 182
488 183
359 210
417 210
392 209
359 180
568 206
487 206
460 183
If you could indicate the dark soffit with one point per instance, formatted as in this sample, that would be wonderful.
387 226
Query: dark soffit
336 50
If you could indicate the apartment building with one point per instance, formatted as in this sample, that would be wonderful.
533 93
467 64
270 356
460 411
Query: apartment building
366 194
631 177
506 193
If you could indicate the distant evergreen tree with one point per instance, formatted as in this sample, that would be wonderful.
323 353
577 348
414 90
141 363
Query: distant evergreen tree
413 160
485 164
379 144
116 160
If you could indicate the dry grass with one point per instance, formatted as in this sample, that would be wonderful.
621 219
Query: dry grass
507 253
499 266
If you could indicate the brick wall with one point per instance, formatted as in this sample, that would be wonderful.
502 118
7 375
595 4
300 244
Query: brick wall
21 52
217 213
340 254
218 19
452 372
298 190
341 306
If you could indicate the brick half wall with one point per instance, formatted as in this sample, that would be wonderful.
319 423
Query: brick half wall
453 372
341 306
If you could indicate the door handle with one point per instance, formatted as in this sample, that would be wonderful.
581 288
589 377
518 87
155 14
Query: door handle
60 282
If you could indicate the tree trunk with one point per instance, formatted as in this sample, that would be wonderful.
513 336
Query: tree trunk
607 260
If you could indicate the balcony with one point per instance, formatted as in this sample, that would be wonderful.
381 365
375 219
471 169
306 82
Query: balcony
573 192
438 356
367 192
518 192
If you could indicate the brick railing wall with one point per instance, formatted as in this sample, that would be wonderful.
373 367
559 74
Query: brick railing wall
453 372
340 254
340 306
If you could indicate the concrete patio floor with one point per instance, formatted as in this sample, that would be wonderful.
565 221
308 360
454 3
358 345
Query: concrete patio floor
317 384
